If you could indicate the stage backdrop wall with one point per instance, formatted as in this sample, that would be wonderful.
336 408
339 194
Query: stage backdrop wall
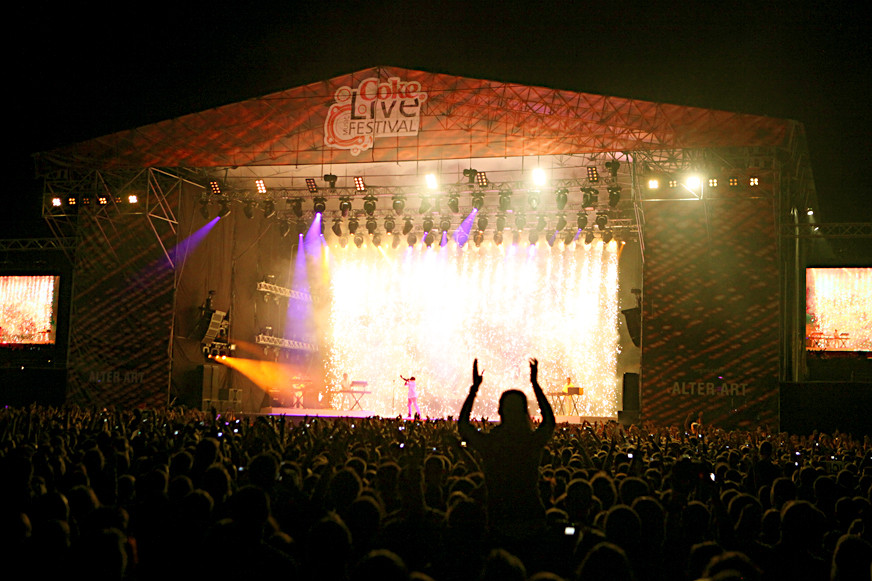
710 318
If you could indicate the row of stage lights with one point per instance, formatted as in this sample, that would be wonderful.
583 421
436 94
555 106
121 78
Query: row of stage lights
76 201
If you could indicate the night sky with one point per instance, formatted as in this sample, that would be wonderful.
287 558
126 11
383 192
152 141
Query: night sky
79 73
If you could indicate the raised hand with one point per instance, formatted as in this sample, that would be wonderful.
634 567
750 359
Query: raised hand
477 377
534 370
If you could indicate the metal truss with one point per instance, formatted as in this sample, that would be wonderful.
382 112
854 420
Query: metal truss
23 244
834 230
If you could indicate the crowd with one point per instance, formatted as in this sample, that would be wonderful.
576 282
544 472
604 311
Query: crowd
170 494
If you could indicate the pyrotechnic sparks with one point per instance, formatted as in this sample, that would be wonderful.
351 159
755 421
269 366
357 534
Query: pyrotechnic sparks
429 312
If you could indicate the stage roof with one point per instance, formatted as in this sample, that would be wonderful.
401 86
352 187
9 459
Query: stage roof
390 114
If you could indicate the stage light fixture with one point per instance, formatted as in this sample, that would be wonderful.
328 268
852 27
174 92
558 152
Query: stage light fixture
478 238
561 222
399 204
101 200
613 167
541 223
533 237
369 204
432 182
501 222
425 205
520 221
482 180
296 205
284 228
693 182
337 226
589 197
607 236
445 224
498 237
352 225
331 180
260 186
390 224
533 200
371 225
223 208
358 240
311 185
408 226
411 239
601 220
539 177
454 203
713 182
592 174
614 195
320 204
428 224
269 209
359 184
582 220
588 238
470 174
204 209
395 241
344 205
569 237
482 222
215 187
672 184
562 196
302 227
809 212
86 200
734 182
132 199
376 239
478 201
653 184
429 239
505 200
754 182
516 237
248 209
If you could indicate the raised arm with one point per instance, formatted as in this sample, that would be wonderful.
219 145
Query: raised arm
466 429
548 421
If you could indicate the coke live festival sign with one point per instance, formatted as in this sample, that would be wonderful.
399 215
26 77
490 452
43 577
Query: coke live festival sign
373 109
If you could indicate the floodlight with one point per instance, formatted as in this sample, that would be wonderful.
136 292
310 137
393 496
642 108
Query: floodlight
261 187
311 186
432 183
482 180
653 184
592 175
215 187
539 177
359 185
133 199
754 182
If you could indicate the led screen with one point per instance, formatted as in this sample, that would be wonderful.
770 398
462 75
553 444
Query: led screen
838 309
28 309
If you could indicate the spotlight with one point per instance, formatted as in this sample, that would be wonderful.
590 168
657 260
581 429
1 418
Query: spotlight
482 180
284 228
204 208
428 224
533 200
582 221
369 204
754 182
131 199
539 178
588 238
470 174
101 200
562 196
215 187
399 204
614 195
533 237
331 180
411 239
569 237
607 236
337 227
296 206
71 201
501 222
261 187
320 203
592 175
541 223
505 200
432 183
352 225
520 221
425 205
359 184
395 241
601 220
498 237
269 209
454 203
516 237
389 224
653 184
561 222
445 224
478 238
482 222
376 239
358 240
478 201
589 198
371 225
224 208
248 210
613 166
344 205
734 182
311 186
407 226
429 239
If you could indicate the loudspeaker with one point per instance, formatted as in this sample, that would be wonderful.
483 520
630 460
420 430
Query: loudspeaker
634 324
631 392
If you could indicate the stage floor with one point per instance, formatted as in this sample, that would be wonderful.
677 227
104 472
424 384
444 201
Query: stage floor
330 413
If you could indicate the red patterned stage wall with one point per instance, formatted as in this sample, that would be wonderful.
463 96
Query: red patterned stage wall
122 312
710 322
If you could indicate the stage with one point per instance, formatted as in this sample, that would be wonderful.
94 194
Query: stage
297 412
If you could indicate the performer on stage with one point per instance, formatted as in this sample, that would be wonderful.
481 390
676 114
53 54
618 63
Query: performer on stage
413 395
346 382
567 385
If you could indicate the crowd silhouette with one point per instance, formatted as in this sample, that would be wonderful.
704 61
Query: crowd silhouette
170 494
